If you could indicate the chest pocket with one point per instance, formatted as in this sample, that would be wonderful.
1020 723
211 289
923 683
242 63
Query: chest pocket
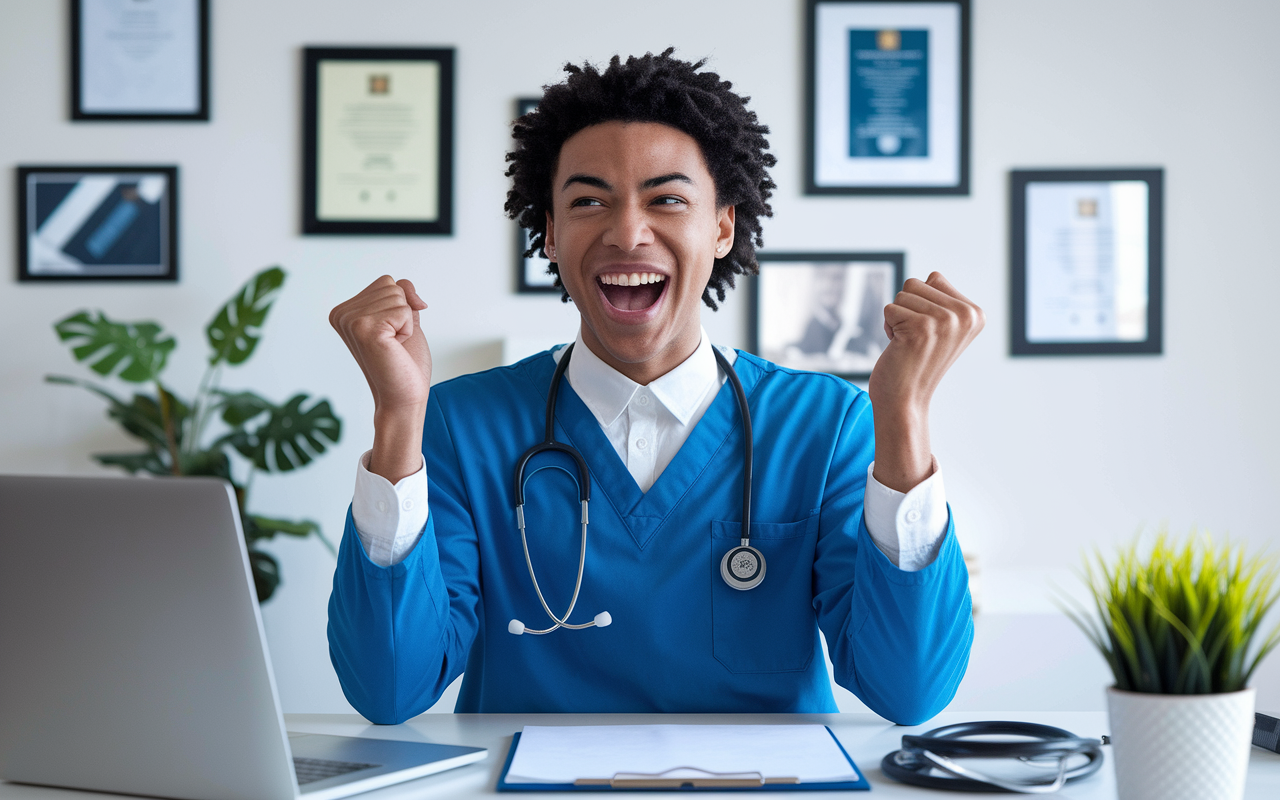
771 628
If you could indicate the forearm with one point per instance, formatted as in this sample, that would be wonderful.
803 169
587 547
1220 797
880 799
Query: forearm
397 442
904 457
904 639
396 639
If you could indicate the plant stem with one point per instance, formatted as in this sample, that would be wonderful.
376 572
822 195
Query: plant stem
199 409
166 417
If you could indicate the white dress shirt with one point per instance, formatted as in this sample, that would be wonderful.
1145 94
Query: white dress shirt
646 426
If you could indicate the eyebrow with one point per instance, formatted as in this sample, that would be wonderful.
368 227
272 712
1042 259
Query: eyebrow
600 183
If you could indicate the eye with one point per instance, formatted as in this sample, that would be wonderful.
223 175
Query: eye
585 201
669 200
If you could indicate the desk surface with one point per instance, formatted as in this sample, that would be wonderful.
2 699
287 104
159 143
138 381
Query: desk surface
866 737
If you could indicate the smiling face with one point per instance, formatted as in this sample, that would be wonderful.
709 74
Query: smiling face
635 230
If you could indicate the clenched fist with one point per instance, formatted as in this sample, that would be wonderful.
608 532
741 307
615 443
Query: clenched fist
929 325
380 327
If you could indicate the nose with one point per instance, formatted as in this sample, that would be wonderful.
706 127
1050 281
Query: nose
629 228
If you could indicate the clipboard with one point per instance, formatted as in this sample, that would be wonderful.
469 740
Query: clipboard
635 782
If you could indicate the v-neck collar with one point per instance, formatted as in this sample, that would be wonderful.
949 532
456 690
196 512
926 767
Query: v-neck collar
644 513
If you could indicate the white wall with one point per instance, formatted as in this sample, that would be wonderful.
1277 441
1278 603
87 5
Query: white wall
1043 457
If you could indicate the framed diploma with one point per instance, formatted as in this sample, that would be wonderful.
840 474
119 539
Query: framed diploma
1086 252
887 97
824 311
97 223
531 270
377 141
140 60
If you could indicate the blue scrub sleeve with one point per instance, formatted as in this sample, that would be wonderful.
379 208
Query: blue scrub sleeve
898 640
399 635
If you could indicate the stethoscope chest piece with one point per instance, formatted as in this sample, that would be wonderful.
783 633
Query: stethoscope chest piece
742 567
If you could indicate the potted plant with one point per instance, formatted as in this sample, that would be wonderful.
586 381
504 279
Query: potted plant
176 433
1178 629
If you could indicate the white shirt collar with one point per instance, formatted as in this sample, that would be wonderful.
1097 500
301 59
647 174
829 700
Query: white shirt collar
607 392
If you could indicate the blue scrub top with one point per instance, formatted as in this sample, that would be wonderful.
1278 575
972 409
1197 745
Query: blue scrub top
681 639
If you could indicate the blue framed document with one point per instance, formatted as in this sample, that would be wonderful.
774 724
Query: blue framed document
888 97
97 223
1086 261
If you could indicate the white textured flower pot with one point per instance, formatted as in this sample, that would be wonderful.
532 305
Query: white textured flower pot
1180 746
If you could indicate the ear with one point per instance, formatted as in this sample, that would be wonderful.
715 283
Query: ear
549 246
724 231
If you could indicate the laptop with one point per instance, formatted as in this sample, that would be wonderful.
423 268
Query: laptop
133 658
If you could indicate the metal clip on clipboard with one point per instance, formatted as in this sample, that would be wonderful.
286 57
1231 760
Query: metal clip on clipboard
658 780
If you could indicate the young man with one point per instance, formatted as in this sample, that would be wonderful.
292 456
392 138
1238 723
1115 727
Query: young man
644 184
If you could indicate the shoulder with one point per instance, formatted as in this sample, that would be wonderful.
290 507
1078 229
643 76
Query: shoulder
513 384
778 382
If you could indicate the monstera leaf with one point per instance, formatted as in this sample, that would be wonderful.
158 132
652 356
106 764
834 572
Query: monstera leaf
235 331
290 437
140 417
266 574
256 528
135 350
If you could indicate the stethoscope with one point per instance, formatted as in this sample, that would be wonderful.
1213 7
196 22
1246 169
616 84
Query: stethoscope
938 749
742 567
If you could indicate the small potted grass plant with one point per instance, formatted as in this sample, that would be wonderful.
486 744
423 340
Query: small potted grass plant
1181 630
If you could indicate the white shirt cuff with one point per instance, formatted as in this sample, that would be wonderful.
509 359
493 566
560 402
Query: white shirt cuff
389 519
908 528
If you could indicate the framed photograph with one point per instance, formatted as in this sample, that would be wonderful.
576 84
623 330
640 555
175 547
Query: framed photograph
531 271
887 97
824 311
140 61
1086 261
97 223
377 140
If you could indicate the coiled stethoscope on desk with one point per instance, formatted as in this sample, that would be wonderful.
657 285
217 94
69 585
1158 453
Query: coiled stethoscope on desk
938 750
743 567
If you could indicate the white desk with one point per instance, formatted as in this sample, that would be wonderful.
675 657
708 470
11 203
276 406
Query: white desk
865 736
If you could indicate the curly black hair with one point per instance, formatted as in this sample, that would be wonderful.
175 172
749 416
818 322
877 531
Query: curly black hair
650 88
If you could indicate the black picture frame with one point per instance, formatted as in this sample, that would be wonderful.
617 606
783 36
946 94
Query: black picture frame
1041 342
108 223
442 223
781 296
531 277
78 62
830 166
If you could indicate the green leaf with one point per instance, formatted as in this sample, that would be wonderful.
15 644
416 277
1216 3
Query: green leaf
139 417
290 438
213 463
266 574
240 407
146 461
268 528
235 330
134 352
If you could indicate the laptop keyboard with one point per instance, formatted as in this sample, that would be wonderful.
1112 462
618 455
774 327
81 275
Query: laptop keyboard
310 770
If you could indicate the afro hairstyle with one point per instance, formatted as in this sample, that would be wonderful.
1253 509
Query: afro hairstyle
659 89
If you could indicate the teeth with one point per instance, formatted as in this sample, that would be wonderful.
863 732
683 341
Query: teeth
633 279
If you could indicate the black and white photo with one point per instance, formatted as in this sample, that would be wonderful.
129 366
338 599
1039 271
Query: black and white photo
825 311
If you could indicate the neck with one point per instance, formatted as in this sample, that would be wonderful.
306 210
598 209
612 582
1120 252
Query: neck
650 367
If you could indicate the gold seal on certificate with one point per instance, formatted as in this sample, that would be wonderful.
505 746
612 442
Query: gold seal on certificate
378 141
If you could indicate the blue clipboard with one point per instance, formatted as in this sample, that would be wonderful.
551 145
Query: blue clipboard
860 784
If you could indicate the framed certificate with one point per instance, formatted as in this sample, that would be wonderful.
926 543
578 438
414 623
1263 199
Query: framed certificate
97 223
887 97
140 60
377 141
1086 261
824 311
531 270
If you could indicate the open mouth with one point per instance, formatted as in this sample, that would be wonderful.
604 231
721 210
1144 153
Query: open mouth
635 291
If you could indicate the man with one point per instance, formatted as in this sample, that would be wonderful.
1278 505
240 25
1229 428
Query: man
644 184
